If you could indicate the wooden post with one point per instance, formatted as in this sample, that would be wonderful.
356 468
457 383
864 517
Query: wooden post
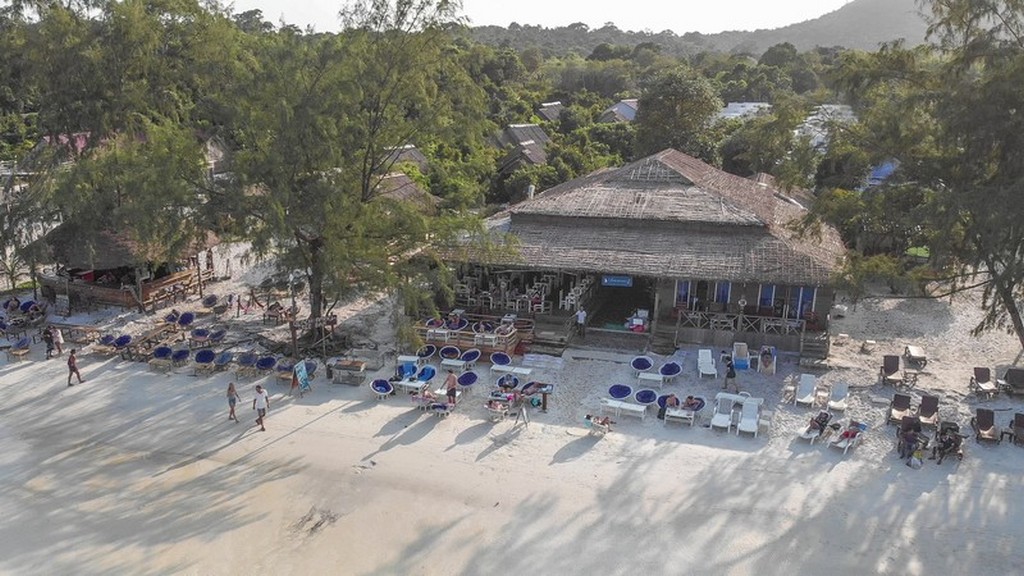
199 276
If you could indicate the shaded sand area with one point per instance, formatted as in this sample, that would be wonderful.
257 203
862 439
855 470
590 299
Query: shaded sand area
136 472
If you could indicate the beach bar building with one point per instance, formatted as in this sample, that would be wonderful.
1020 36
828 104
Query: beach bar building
668 249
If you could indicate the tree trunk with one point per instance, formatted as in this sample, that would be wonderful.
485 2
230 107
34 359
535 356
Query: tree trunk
315 277
1005 293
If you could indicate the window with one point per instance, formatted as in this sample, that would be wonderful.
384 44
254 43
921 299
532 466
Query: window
683 288
722 292
766 298
801 301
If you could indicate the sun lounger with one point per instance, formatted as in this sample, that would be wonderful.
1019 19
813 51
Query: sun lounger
899 407
723 415
889 373
618 407
596 428
1013 381
441 409
806 392
838 396
850 437
740 356
822 432
706 363
19 350
915 355
984 424
651 379
982 384
928 410
750 416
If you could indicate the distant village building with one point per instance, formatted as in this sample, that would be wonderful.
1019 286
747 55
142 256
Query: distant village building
744 110
621 111
817 126
408 154
550 111
525 144
400 187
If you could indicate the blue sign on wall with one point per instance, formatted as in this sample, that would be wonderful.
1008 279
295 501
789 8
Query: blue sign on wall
617 281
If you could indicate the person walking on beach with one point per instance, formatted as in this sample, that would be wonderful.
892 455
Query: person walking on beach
581 322
48 339
730 377
73 368
233 399
451 384
261 404
58 340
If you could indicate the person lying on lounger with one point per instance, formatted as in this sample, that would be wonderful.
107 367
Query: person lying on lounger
691 403
600 420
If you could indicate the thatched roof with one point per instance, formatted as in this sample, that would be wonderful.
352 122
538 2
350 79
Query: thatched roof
400 187
74 247
669 215
551 111
517 134
528 153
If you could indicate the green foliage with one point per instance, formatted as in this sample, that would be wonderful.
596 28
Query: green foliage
675 110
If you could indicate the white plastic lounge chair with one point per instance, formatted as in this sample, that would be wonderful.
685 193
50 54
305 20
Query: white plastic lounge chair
844 442
805 390
497 410
750 415
815 434
595 428
706 363
722 418
840 393
740 356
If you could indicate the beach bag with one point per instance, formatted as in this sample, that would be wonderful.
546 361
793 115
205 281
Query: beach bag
915 461
534 402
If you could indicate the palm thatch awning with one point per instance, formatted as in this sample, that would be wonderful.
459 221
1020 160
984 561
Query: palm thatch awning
670 216
75 246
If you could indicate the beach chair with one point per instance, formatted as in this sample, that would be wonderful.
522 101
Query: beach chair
670 371
889 373
497 410
806 390
1013 381
928 410
19 350
838 397
740 356
210 301
982 384
382 388
172 318
105 344
199 337
185 320
265 365
426 374
203 361
722 417
899 407
466 380
620 391
850 437
180 357
767 360
449 353
123 345
915 355
1018 429
641 364
501 362
750 416
821 430
645 397
222 361
161 358
595 428
285 369
984 424
706 363
217 337
246 365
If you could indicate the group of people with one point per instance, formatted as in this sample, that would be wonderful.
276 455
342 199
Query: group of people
54 339
260 403
672 402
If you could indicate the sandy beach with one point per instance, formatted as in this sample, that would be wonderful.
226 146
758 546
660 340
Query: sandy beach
139 472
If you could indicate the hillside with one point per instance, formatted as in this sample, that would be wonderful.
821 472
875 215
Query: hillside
861 24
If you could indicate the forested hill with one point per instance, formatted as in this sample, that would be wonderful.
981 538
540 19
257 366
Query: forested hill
862 24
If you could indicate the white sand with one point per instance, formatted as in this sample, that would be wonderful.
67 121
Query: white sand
141 473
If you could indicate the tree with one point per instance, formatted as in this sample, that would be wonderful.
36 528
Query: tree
675 110
317 126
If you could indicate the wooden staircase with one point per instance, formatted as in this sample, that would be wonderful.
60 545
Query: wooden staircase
814 349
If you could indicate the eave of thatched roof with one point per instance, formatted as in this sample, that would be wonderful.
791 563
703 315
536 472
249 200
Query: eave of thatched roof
74 246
